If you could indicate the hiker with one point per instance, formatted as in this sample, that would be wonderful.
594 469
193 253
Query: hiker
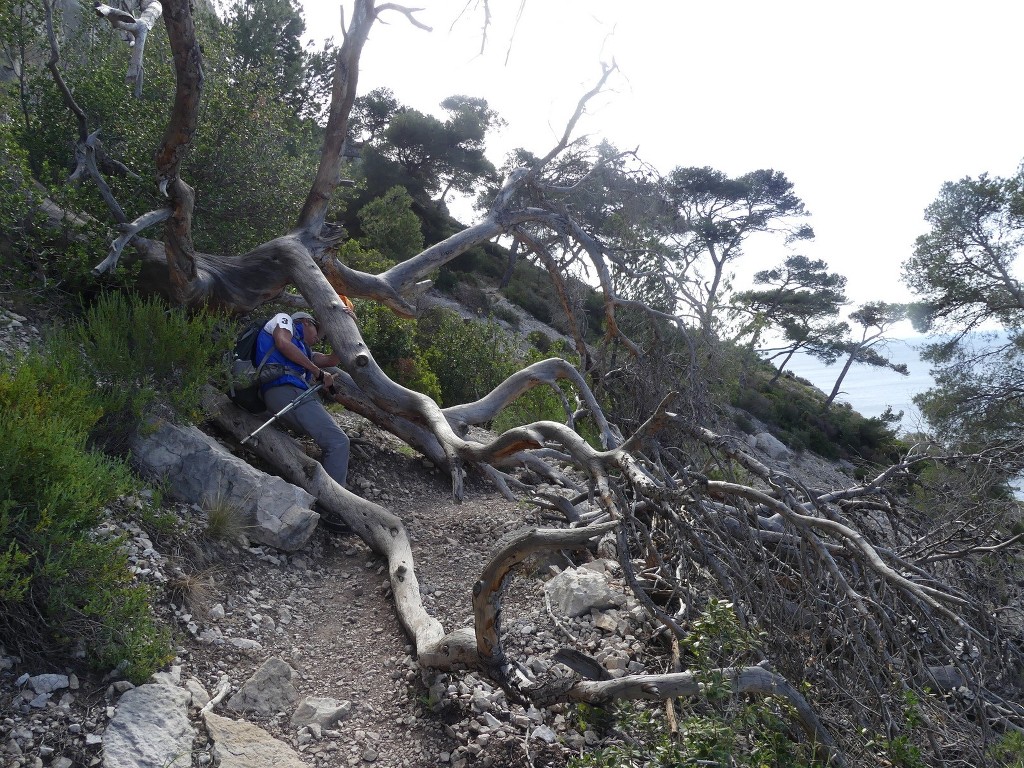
291 339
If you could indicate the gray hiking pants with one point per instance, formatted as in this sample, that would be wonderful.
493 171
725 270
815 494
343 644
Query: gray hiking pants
313 419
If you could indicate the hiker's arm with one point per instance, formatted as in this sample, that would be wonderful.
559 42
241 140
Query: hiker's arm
283 342
325 361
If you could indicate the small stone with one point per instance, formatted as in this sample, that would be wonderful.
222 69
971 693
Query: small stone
545 734
48 683
370 755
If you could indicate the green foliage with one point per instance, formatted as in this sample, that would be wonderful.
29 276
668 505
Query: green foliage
975 399
963 268
61 586
253 160
353 255
543 403
250 163
422 153
92 64
531 290
18 199
718 729
803 301
965 271
39 253
390 226
141 352
393 342
506 314
267 44
456 361
712 216
794 412
900 750
1009 751
469 358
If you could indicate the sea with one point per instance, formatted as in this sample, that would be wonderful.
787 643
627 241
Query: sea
870 390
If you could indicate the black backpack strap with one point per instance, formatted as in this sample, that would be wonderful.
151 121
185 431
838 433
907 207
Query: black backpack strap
264 360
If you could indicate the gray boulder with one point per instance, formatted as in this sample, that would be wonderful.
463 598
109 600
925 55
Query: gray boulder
238 744
150 729
201 471
323 711
772 446
577 591
269 690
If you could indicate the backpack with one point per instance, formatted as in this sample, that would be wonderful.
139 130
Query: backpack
247 373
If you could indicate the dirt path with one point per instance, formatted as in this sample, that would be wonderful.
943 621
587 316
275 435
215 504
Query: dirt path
328 612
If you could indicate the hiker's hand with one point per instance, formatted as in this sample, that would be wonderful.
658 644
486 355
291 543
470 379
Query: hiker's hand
349 311
327 379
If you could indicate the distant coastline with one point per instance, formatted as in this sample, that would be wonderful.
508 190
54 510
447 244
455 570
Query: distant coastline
869 390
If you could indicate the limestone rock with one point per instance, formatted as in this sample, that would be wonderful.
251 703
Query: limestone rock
201 471
238 744
772 446
268 691
150 729
323 711
576 591
48 683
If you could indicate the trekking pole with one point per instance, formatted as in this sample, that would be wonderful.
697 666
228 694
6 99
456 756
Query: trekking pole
303 396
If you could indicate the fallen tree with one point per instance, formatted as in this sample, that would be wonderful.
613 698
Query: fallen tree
852 603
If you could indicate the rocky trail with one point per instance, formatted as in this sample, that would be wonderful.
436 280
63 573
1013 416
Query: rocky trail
314 664
302 654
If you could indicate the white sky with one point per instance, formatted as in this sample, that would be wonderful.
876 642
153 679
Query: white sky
867 107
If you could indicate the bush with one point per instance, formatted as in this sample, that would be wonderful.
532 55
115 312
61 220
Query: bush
390 226
353 255
717 729
469 358
505 313
542 403
532 291
61 586
141 352
393 342
796 414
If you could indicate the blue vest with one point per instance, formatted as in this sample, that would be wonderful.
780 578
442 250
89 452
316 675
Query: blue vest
295 374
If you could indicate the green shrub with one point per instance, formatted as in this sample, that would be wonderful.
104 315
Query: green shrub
505 313
717 729
446 280
61 586
540 340
393 343
390 226
353 255
469 358
1009 751
796 415
141 352
542 403
532 291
